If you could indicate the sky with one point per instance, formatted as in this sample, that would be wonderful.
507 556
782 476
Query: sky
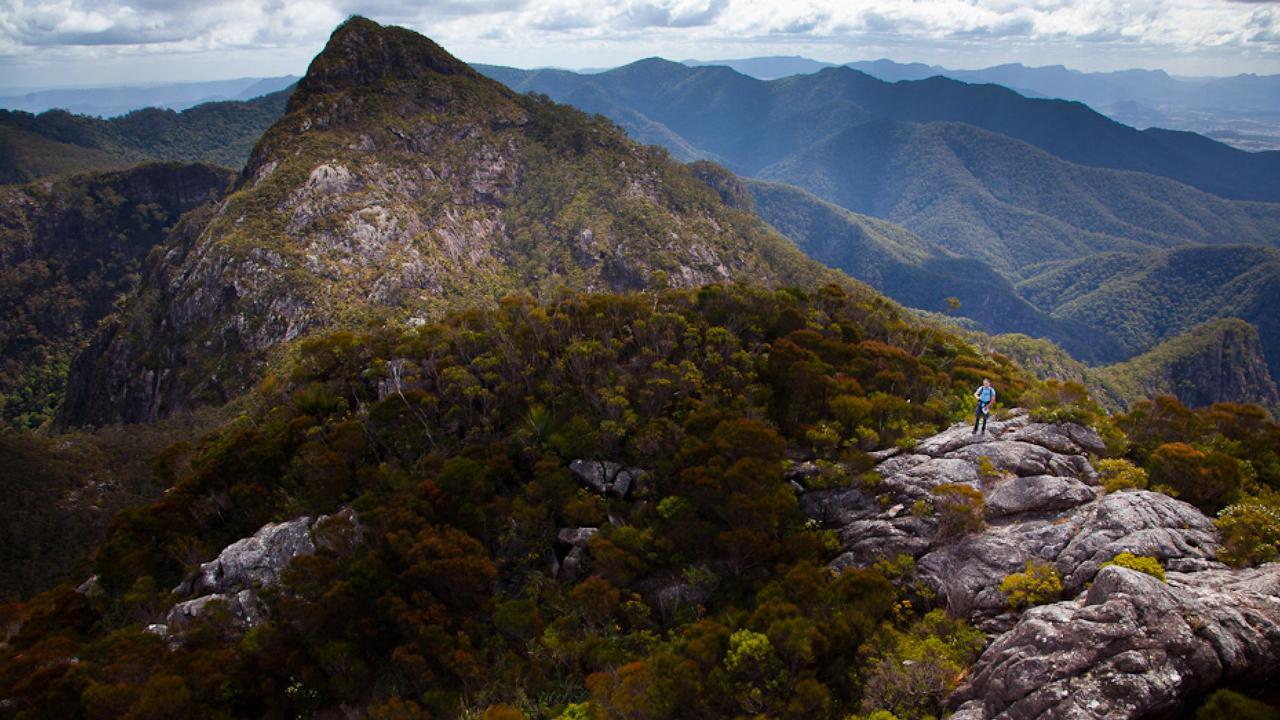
46 43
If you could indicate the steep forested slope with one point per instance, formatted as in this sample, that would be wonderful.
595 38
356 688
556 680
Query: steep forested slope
71 250
1144 298
1217 361
57 142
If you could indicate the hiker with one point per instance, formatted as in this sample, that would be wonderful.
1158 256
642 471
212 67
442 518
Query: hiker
985 395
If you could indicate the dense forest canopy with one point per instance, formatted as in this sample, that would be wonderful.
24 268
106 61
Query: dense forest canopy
451 443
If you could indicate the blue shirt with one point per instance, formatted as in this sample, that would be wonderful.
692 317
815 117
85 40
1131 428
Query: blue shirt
986 394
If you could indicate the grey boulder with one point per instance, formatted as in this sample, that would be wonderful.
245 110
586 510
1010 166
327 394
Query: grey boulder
1131 647
604 477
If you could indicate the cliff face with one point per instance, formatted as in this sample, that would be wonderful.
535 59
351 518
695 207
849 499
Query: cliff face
1219 361
399 184
69 249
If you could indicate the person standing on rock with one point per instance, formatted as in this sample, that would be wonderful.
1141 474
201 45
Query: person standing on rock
986 395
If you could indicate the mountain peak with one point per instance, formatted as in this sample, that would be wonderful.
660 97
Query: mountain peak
360 52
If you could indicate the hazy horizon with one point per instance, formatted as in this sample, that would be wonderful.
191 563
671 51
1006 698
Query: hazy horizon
79 43
26 89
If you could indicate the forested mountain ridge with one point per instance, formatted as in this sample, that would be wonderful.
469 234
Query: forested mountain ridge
1217 361
399 184
1220 360
986 196
749 124
71 251
983 216
1148 297
57 142
914 272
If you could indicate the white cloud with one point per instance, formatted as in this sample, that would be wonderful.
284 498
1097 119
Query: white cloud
1220 36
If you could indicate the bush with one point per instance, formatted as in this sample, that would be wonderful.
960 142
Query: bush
1209 480
1054 401
911 673
1119 474
986 469
960 510
1228 705
1250 534
1141 563
1039 584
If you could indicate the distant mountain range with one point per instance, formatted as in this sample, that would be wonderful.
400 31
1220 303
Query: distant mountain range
749 124
1242 110
107 102
56 142
991 187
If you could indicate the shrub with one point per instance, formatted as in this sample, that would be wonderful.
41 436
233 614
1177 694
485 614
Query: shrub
1039 584
1250 534
397 709
1141 563
913 671
1225 704
875 715
501 712
1119 474
1209 480
1054 401
960 510
575 711
986 469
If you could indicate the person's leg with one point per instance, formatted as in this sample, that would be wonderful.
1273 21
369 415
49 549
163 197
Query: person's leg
977 418
985 415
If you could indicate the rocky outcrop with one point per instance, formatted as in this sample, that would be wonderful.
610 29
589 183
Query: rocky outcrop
569 559
1125 645
1130 647
255 561
1223 360
232 580
1042 502
607 478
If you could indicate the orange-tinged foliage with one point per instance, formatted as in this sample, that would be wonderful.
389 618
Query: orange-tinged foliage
452 442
